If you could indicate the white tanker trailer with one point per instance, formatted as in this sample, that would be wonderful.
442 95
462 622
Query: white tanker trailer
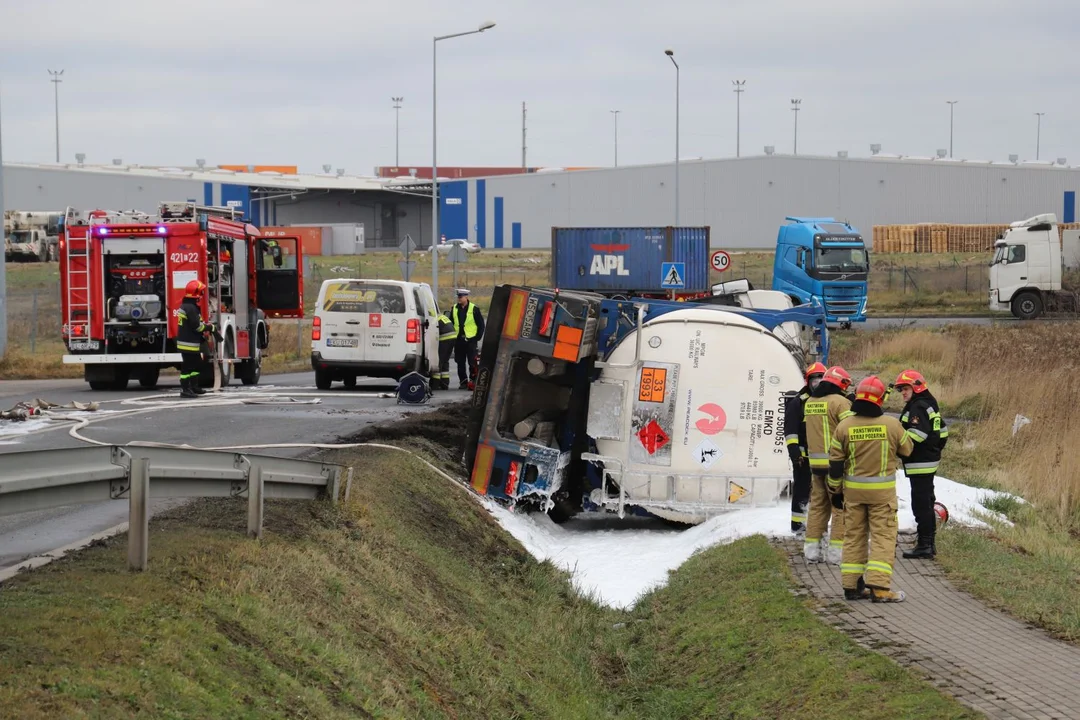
636 406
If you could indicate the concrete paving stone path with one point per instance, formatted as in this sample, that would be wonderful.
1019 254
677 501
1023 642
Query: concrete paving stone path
987 660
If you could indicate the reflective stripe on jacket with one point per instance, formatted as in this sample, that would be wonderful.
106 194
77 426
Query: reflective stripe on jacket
447 333
927 429
190 326
822 415
868 447
794 424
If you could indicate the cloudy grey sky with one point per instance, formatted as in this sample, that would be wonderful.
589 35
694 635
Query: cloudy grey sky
307 83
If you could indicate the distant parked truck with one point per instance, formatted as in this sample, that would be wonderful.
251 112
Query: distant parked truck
1029 261
631 261
825 259
31 235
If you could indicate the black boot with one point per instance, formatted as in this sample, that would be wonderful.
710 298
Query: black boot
185 388
861 592
196 386
923 550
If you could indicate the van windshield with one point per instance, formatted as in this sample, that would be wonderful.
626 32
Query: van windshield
357 296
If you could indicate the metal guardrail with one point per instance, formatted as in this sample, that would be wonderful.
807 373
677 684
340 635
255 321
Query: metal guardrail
42 479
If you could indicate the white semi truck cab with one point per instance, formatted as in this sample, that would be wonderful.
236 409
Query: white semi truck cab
1030 259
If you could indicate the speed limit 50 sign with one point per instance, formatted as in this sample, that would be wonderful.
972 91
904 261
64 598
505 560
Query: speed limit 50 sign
720 260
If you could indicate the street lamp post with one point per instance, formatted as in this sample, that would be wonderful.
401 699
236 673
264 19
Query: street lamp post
615 114
952 104
1038 134
739 90
56 95
795 103
671 55
434 159
3 269
397 128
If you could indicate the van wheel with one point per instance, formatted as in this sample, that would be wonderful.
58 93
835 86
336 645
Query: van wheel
322 379
350 381
1027 306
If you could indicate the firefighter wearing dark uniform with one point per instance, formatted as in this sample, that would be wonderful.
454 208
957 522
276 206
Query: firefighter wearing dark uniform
447 338
864 453
825 408
795 439
189 337
468 331
922 420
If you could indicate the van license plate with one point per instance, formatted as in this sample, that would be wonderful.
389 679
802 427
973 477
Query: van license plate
342 342
84 344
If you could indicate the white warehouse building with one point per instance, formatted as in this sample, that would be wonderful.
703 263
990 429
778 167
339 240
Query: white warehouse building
745 200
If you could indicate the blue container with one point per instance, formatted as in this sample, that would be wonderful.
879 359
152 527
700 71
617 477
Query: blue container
628 260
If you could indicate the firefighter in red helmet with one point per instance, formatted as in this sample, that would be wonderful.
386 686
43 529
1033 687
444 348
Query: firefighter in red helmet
189 337
922 420
826 407
795 440
864 453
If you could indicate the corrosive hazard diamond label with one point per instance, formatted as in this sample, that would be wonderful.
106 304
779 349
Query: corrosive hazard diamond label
653 437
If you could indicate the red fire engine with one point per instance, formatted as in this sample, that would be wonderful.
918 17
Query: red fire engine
122 280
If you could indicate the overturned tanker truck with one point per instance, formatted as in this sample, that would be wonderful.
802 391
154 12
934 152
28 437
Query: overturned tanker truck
639 406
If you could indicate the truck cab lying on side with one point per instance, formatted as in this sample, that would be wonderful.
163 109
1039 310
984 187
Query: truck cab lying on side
825 259
1030 260
643 406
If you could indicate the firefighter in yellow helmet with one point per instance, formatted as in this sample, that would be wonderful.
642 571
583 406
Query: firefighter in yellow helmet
826 407
864 453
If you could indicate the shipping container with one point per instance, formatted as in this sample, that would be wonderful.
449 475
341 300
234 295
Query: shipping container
340 238
311 238
628 260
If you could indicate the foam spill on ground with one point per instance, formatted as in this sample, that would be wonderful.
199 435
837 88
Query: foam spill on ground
615 561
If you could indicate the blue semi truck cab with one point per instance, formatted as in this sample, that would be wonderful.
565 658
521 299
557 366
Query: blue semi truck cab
825 259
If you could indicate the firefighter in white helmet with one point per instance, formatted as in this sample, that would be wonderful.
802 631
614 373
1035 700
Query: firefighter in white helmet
826 407
864 452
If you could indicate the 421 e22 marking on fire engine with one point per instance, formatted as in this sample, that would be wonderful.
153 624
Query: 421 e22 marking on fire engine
184 257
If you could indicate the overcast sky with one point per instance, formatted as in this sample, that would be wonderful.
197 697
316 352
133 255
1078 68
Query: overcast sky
308 83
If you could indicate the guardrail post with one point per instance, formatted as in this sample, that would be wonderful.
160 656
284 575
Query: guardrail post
139 514
333 485
255 502
348 484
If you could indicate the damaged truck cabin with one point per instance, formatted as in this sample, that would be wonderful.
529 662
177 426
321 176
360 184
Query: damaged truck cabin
639 406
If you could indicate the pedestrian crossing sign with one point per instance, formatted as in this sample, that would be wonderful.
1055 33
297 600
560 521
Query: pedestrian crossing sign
672 275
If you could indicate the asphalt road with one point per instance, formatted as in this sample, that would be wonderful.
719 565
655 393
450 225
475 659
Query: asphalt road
338 412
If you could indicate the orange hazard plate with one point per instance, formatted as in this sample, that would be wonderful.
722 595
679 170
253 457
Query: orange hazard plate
652 385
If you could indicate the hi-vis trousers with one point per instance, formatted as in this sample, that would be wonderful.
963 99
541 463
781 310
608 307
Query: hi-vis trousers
870 530
821 510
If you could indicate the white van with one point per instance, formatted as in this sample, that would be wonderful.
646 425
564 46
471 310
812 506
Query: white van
373 328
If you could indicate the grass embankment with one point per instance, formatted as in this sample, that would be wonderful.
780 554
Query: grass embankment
985 377
410 601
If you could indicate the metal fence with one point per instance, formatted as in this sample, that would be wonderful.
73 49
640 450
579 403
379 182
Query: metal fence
34 317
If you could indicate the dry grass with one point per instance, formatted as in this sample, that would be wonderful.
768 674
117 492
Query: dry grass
993 374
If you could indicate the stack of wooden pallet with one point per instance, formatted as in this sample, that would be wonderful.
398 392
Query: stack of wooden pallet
942 238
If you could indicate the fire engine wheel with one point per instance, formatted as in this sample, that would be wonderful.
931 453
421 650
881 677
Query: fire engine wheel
148 378
250 371
227 367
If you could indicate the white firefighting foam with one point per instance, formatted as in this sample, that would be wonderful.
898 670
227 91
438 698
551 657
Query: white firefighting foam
615 561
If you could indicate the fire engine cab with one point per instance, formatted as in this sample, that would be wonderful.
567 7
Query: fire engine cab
123 277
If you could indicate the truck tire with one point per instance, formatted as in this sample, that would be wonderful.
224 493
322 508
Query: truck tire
1027 306
250 371
322 379
148 378
120 380
227 353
